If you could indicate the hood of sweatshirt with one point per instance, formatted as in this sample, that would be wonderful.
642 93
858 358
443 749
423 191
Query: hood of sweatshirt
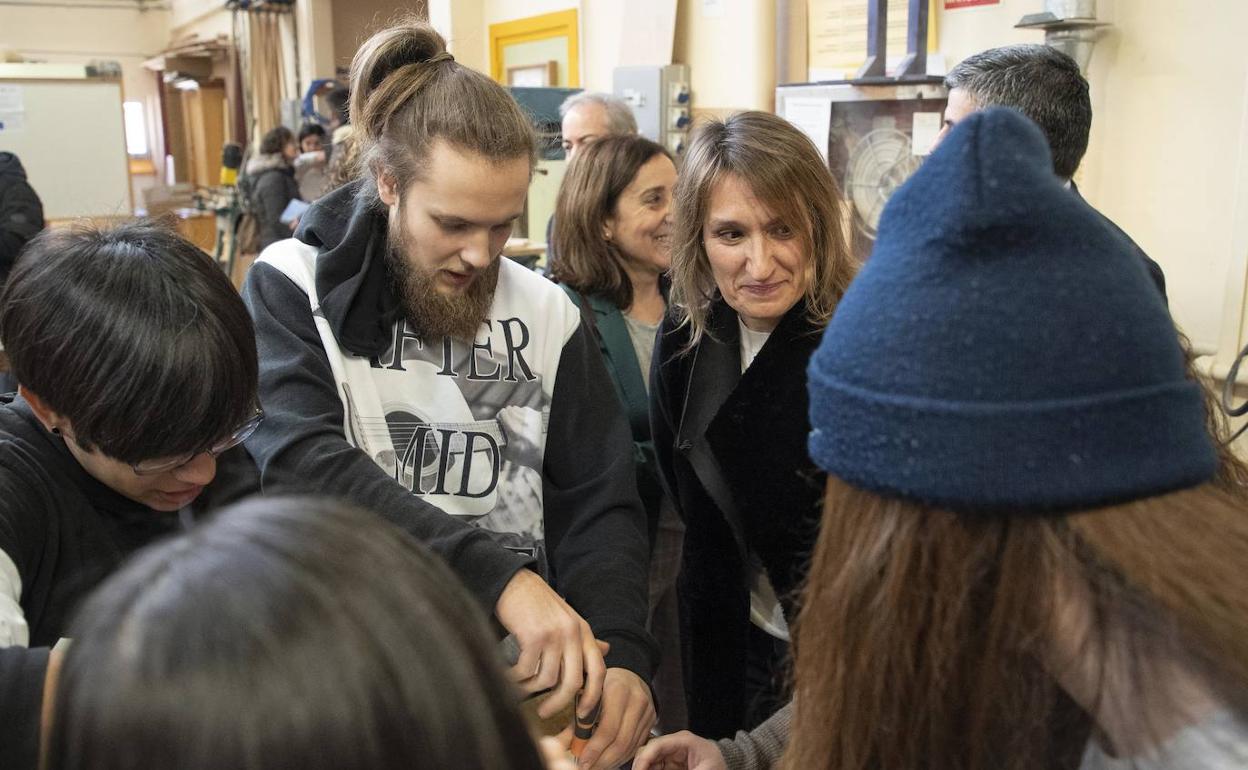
357 297
267 162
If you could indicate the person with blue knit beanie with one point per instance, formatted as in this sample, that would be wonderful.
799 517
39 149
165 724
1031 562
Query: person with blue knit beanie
1025 561
1004 347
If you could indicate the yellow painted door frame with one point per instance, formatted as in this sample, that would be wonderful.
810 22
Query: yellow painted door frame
527 30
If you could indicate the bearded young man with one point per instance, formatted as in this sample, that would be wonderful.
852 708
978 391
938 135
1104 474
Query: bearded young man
407 368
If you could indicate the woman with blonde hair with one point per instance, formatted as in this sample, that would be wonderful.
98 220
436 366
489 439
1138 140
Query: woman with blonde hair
759 262
1027 558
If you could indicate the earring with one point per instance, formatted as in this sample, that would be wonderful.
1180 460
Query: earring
55 431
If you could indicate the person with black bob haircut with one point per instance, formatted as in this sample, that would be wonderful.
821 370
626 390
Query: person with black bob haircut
375 658
136 364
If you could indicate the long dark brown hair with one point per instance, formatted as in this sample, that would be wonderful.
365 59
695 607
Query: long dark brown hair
597 176
931 639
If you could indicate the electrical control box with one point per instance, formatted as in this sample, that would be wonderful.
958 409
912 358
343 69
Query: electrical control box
661 102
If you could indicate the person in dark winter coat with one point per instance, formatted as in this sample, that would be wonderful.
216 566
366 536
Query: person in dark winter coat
759 262
272 184
139 442
21 212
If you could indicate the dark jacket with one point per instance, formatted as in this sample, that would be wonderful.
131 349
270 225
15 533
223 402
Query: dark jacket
607 322
271 187
21 212
731 448
1154 269
594 525
64 533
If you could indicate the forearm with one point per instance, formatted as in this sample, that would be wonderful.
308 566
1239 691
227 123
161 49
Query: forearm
762 747
595 523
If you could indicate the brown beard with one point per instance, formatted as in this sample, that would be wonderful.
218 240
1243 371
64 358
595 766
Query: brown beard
432 313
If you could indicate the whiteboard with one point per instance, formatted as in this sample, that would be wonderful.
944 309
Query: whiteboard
71 138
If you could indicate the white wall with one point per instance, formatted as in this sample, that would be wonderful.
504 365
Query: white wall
203 18
498 11
731 57
129 36
1168 98
603 24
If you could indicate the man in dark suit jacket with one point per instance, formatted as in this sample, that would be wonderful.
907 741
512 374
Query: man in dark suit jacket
1045 85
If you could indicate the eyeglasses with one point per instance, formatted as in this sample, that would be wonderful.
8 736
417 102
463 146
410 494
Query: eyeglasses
241 434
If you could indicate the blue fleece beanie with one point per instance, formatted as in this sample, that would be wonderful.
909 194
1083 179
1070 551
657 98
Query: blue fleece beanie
1003 348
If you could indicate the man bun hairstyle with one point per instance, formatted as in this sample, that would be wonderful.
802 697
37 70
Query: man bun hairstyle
407 91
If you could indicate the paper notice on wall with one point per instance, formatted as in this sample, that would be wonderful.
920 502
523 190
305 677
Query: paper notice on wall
926 129
12 122
813 117
713 9
12 98
837 33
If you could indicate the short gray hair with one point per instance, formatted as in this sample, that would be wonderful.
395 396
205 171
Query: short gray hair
1042 83
620 118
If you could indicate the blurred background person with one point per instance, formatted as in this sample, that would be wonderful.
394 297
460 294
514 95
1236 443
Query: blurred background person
271 185
587 116
21 212
310 164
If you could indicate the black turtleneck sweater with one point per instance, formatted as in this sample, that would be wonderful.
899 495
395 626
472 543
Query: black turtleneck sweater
61 533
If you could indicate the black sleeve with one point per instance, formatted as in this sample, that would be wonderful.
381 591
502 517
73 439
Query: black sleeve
22 672
662 421
595 526
649 487
1154 272
300 446
21 218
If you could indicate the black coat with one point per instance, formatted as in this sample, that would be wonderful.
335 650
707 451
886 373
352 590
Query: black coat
271 188
21 213
731 448
1154 269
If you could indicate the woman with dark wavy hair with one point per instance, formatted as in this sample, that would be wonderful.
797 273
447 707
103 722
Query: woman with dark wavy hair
612 231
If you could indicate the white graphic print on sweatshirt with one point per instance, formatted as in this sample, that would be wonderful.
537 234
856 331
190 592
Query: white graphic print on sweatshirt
463 425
